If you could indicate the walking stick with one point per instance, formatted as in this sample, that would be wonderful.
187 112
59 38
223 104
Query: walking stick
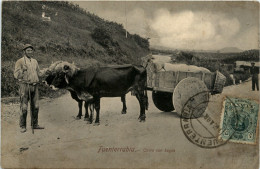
31 108
28 85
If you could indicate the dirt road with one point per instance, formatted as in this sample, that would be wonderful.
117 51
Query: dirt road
157 143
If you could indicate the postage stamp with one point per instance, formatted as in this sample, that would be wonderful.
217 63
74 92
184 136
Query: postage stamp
239 127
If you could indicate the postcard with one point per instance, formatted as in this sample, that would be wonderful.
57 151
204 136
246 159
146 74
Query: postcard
130 84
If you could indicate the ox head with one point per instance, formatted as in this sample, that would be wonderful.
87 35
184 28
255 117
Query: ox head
60 74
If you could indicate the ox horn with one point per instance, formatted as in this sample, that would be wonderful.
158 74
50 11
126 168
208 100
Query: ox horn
66 70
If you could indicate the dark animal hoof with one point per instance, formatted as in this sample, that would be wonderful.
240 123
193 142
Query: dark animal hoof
142 120
86 119
89 122
96 124
78 118
123 112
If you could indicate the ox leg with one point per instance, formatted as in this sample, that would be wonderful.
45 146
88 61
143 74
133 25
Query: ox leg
90 119
91 108
80 110
141 98
75 97
86 118
97 107
124 104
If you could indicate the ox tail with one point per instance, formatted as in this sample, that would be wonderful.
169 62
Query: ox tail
145 91
146 99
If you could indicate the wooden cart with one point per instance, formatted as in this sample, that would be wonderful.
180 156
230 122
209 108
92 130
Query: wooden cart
172 89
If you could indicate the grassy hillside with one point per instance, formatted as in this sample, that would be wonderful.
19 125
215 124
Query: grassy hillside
73 34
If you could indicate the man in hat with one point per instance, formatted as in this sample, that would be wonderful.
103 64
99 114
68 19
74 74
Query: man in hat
27 72
254 72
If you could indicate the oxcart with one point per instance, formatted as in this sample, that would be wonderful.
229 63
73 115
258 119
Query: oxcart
172 89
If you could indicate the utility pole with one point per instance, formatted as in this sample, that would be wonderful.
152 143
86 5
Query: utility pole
125 22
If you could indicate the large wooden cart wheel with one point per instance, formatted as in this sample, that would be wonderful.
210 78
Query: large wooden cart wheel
192 93
163 101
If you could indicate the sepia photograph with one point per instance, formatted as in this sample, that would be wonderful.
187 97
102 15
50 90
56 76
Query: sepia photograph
130 84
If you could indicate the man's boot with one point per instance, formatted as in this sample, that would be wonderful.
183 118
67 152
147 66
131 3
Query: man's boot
35 120
23 116
22 129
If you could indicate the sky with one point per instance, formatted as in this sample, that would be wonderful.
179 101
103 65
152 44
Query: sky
185 25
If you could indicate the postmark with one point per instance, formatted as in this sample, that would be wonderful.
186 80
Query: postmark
204 131
239 127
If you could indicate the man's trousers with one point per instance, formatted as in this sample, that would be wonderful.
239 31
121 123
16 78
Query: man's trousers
255 82
29 93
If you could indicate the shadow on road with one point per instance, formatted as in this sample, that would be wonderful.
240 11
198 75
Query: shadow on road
165 114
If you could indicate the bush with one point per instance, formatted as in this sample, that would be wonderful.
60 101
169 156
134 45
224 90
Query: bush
102 37
241 76
185 57
9 86
144 43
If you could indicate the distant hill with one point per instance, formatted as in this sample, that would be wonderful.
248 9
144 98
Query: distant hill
223 50
230 50
72 34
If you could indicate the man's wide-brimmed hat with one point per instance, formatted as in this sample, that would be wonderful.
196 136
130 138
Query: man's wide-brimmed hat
27 46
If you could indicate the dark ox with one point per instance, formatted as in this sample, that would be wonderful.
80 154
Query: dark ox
112 81
87 104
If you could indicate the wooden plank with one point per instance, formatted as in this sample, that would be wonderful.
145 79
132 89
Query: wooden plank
163 89
192 74
153 79
177 77
157 76
208 80
162 79
182 75
169 80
